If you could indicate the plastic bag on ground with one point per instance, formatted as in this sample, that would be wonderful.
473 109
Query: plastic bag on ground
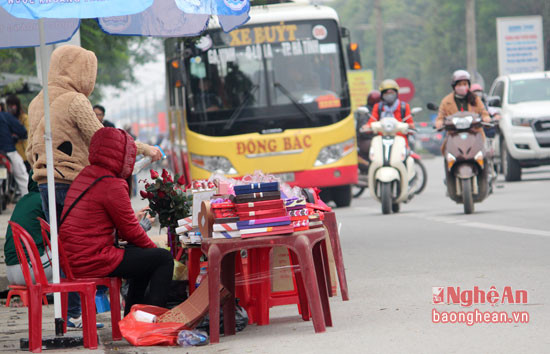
146 334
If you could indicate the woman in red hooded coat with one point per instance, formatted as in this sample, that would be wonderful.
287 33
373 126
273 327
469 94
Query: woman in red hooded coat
87 230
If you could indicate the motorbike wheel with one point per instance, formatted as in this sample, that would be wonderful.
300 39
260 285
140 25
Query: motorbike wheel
467 196
385 197
357 191
421 176
395 207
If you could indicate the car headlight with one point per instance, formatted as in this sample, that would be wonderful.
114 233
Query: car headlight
332 153
218 164
522 122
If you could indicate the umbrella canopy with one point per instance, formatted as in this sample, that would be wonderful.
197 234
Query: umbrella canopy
162 18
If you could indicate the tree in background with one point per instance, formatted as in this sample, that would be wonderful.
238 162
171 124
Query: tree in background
117 56
425 40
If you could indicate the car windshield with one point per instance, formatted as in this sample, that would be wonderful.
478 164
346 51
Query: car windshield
529 90
267 77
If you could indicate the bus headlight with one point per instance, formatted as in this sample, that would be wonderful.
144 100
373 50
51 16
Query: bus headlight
218 164
332 153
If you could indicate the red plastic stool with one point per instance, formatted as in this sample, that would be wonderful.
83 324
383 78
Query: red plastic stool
306 246
23 293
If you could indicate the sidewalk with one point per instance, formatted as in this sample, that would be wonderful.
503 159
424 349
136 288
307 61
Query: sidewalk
14 320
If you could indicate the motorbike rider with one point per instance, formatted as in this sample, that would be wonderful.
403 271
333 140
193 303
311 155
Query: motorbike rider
390 103
461 99
364 138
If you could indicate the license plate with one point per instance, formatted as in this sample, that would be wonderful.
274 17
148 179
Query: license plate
3 173
285 177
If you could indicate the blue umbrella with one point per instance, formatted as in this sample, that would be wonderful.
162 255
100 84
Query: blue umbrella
159 18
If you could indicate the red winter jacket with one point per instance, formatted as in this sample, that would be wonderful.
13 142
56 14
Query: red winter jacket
87 233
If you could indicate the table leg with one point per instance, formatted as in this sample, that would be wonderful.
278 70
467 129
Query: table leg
332 227
305 257
320 270
228 281
214 260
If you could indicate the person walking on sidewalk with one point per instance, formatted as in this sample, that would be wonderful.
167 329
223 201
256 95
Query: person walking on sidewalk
12 130
14 107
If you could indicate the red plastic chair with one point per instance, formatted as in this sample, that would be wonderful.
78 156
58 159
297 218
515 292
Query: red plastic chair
40 286
21 291
114 284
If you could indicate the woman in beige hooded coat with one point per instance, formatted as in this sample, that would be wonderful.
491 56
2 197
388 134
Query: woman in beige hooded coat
71 80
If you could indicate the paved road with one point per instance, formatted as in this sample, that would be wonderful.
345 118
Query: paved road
392 264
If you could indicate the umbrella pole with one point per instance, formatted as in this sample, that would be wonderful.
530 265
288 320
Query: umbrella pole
51 181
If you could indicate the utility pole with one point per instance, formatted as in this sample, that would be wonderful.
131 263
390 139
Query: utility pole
471 44
379 42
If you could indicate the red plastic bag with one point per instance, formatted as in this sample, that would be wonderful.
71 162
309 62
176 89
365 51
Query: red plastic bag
145 334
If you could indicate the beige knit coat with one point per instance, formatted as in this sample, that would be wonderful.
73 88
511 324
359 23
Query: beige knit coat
71 80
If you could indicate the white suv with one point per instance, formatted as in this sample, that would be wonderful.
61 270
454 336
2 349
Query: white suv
524 103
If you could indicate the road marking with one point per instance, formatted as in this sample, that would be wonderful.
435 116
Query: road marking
468 223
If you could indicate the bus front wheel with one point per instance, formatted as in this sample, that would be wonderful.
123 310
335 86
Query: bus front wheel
341 195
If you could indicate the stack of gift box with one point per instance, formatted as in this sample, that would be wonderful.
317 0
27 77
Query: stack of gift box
255 209
225 217
261 210
296 209
187 233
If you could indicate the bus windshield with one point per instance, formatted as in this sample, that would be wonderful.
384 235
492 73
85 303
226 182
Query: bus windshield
266 78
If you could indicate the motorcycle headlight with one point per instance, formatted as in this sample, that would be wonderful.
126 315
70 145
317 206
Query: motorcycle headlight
479 158
218 164
522 122
450 160
332 153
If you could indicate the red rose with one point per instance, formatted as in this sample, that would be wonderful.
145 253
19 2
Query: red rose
164 173
169 178
154 174
181 180
150 195
144 194
161 194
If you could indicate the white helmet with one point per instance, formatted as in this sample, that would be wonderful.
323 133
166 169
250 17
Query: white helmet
460 75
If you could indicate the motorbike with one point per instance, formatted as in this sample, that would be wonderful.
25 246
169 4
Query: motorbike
391 173
468 166
364 139
7 182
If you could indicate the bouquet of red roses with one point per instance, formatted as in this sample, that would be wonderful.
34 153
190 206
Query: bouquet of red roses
167 198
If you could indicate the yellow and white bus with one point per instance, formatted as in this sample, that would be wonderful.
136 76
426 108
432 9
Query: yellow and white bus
271 95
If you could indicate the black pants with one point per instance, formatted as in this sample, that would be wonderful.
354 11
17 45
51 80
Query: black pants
144 267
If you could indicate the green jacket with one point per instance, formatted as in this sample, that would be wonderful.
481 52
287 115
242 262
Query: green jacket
27 209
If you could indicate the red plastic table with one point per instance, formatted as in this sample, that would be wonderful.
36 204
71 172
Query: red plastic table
306 246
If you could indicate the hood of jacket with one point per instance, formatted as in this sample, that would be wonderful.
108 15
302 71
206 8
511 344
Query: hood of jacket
114 150
73 68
